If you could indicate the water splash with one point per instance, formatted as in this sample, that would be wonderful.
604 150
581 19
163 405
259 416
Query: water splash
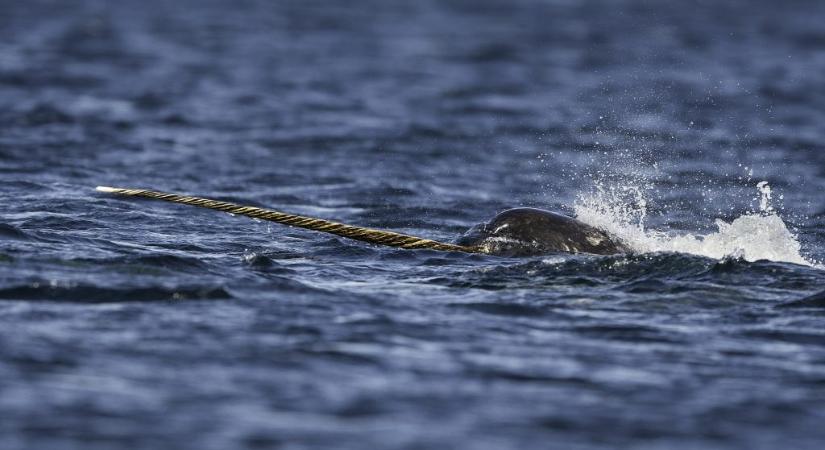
765 197
621 210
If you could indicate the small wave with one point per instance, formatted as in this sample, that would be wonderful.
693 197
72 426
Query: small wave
622 210
812 301
577 270
60 222
663 273
11 232
503 309
629 333
170 262
263 263
258 260
96 294
44 114
150 263
786 336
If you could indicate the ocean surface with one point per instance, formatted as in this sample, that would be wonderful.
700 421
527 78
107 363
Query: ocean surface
693 130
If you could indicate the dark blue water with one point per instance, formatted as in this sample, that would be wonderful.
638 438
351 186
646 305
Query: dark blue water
143 325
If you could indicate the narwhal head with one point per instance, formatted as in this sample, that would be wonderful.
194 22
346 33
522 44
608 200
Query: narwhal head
530 231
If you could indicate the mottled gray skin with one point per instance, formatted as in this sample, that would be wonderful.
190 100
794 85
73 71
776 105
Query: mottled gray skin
531 232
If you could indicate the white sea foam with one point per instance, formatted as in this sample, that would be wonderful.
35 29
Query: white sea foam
622 209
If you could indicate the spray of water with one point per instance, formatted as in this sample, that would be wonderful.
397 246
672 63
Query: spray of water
622 209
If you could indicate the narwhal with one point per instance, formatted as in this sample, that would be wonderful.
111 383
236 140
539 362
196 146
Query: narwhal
514 232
